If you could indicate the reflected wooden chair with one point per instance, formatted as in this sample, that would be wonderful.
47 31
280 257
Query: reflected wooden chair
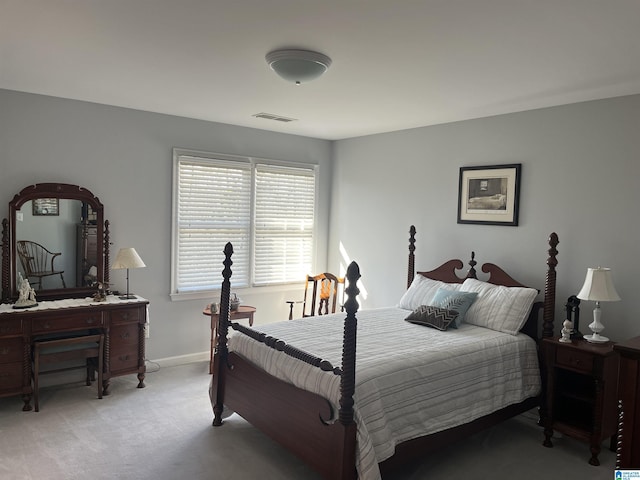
37 262
62 351
323 291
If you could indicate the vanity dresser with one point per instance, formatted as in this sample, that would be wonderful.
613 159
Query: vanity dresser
67 308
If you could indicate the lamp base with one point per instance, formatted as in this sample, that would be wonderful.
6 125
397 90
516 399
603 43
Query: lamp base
130 296
595 338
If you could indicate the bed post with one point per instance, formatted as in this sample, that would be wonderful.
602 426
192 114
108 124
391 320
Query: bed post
412 257
550 288
348 377
221 349
6 288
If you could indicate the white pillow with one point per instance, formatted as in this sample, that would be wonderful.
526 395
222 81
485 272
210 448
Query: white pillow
500 308
422 291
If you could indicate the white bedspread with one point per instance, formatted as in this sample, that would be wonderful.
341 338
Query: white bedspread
411 380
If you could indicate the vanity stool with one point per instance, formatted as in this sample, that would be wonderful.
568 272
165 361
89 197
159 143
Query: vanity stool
58 350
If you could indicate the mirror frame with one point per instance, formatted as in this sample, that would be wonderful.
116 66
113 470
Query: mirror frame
9 259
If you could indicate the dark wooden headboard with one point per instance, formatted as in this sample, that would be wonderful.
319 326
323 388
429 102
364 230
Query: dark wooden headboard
447 273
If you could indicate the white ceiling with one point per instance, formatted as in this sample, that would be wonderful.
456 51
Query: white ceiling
397 64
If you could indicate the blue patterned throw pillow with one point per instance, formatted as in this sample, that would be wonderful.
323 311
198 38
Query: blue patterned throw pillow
430 316
454 300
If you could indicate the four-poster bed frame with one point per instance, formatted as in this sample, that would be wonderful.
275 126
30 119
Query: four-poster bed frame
299 420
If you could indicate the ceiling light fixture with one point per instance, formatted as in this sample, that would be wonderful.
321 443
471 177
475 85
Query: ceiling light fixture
298 66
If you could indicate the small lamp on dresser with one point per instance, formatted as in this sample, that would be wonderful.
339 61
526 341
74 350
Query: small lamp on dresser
598 287
127 258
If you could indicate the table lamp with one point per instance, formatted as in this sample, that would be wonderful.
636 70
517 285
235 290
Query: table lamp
127 258
598 287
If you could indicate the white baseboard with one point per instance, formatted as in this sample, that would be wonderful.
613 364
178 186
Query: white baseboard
182 359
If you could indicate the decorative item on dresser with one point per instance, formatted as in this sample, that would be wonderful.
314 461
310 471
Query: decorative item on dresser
318 422
629 400
65 311
598 287
127 258
572 308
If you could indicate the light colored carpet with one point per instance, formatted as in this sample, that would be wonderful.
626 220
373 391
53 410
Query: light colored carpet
164 432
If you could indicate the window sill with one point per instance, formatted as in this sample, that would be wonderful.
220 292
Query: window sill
247 291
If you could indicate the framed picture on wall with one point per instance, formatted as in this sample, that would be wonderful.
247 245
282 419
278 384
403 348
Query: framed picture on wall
46 206
489 195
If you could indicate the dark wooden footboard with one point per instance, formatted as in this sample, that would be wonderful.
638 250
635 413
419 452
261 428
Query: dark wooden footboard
301 421
293 417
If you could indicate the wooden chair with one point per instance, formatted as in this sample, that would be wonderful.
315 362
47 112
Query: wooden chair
58 350
324 290
37 261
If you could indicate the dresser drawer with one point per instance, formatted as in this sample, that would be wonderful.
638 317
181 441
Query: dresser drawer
69 321
124 337
580 361
123 360
11 326
126 315
11 350
123 347
10 376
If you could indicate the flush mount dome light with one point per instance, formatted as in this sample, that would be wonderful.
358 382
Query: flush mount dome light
298 66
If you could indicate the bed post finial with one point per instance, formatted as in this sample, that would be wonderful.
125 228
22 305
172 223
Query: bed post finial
472 263
412 257
221 350
550 288
348 378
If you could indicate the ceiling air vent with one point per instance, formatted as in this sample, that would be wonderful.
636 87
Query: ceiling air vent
277 118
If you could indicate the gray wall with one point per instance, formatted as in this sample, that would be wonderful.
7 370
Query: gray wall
580 166
124 157
580 169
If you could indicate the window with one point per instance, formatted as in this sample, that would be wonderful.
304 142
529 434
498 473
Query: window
264 208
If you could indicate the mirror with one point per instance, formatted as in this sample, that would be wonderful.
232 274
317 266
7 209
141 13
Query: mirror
55 237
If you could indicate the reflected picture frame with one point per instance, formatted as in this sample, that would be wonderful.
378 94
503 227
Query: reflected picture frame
45 207
489 195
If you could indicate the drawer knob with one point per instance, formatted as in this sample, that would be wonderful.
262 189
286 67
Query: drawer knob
124 335
5 351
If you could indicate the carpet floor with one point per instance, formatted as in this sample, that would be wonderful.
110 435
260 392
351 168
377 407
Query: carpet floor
164 432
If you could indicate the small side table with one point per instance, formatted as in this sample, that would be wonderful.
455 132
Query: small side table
582 380
243 311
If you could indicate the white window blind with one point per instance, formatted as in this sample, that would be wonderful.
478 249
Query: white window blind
266 211
284 217
214 207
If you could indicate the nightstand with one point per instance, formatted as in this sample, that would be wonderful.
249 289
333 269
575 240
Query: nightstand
629 395
581 389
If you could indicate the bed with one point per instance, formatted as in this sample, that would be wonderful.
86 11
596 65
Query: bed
413 388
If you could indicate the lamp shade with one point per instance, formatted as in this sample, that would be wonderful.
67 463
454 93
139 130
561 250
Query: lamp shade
127 258
598 286
298 66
